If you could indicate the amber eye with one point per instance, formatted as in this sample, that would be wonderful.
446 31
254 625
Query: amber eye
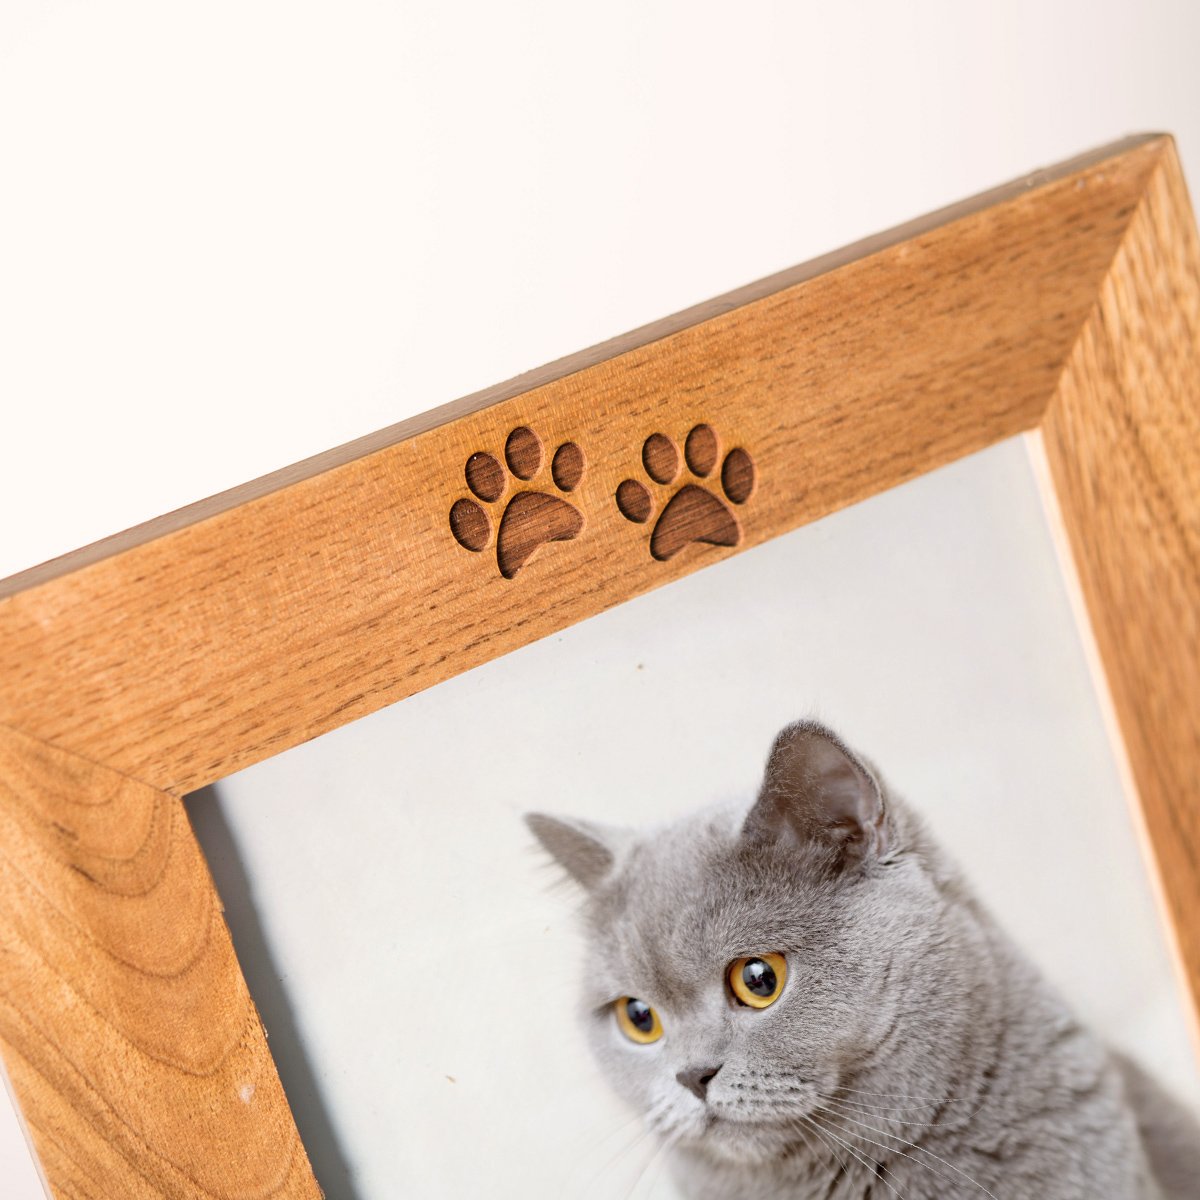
638 1021
757 981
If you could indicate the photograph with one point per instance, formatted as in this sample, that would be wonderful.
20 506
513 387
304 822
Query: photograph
600 602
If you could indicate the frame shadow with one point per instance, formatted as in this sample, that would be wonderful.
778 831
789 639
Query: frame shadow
267 990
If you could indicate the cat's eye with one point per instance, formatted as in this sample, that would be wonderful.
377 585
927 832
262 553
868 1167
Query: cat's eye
637 1020
756 981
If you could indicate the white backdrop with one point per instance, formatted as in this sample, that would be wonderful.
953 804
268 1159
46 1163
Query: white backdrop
235 234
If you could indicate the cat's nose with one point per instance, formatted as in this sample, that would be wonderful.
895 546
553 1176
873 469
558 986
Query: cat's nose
697 1079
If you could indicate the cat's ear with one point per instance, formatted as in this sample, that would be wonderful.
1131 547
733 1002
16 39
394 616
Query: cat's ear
815 790
587 851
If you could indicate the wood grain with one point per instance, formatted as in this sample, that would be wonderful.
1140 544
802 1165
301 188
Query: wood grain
256 627
132 1043
1122 437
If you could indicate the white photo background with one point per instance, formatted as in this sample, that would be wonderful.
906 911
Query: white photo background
414 963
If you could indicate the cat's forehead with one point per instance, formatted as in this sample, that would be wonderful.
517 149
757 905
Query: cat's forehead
691 896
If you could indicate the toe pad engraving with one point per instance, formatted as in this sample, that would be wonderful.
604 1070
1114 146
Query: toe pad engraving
485 477
633 499
737 476
660 457
693 515
696 511
523 498
533 516
523 453
531 520
567 467
470 525
700 450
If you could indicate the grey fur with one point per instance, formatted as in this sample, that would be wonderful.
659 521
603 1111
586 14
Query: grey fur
914 1051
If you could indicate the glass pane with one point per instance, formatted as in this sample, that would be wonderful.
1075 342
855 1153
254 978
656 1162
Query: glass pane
417 967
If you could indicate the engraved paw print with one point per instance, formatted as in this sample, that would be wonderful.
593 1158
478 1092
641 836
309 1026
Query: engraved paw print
694 513
530 518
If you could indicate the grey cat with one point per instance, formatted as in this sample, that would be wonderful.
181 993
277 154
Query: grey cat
806 1001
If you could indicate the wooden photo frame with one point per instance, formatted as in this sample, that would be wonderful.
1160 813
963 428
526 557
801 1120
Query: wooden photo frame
156 662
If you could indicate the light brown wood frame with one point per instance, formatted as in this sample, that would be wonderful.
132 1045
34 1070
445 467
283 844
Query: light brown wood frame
148 665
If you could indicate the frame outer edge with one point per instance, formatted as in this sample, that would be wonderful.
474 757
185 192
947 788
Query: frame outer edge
1122 443
1161 220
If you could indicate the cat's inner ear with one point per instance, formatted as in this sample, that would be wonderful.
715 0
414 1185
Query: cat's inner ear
587 851
815 790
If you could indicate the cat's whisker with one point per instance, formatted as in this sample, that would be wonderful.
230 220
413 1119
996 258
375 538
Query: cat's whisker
879 1107
912 1145
827 1143
803 1124
657 1156
901 1096
636 1119
826 1135
639 1138
802 1129
891 1149
637 1179
804 1134
880 1114
642 1134
876 1169
597 1187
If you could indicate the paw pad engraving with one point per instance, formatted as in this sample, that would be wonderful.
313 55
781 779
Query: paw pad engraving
531 517
695 512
